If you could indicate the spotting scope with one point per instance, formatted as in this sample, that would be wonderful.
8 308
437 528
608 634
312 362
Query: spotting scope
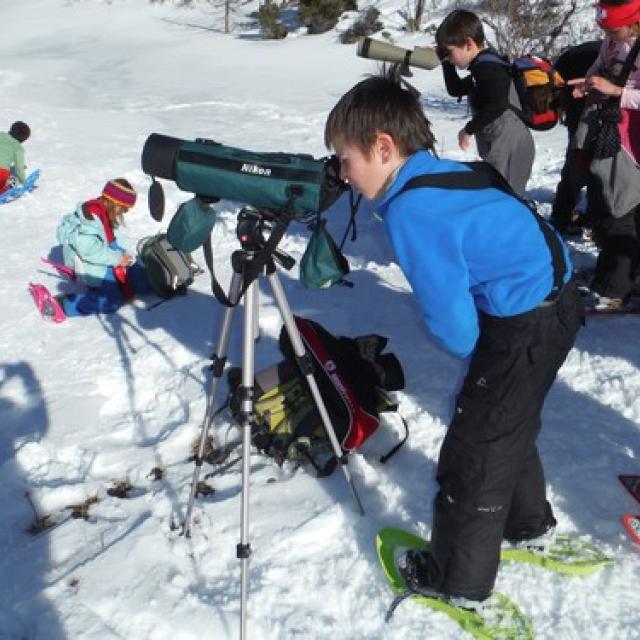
279 181
421 57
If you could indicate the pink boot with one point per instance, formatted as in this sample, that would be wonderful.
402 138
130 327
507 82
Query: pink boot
49 307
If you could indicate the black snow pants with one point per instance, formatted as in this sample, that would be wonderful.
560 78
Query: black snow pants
619 257
573 177
491 479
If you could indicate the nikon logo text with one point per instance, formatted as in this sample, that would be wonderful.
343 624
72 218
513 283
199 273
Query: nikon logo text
255 169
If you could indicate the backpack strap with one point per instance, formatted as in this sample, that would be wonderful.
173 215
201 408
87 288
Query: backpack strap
485 176
489 55
396 447
629 63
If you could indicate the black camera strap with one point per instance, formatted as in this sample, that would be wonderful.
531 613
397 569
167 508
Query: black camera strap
354 203
217 290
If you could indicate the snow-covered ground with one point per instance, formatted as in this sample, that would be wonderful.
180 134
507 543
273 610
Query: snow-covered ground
96 401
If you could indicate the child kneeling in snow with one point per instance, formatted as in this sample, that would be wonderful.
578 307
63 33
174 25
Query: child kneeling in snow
91 249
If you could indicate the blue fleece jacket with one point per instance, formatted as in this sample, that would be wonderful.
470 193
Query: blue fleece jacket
464 251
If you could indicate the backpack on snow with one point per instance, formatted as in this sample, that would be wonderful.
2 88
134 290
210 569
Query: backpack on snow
168 270
354 378
538 88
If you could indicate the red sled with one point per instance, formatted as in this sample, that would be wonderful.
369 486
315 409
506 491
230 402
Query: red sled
632 525
632 484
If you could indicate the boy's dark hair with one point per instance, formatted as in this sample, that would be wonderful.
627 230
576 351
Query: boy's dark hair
457 27
380 104
20 131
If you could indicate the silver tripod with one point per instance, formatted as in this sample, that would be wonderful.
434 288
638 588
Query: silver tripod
240 261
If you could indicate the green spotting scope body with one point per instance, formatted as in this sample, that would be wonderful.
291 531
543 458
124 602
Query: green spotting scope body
295 182
421 57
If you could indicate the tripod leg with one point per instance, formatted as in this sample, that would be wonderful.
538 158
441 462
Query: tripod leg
243 550
300 351
219 360
256 325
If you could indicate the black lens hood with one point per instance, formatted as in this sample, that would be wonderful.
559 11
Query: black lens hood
159 156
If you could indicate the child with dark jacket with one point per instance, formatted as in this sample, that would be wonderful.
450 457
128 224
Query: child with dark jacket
502 139
572 63
480 265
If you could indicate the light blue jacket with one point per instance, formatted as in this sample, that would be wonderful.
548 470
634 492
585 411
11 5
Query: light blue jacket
85 247
465 250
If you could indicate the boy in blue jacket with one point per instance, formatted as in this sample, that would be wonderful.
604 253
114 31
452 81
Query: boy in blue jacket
493 282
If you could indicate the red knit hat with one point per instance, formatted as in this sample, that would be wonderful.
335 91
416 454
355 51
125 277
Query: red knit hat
615 16
121 192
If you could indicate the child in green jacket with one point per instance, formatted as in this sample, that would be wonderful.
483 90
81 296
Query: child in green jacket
12 167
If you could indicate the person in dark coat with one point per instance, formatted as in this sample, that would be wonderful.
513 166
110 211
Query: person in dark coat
502 139
572 63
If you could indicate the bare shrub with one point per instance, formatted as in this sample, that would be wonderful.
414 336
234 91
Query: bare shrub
413 18
323 15
521 26
366 24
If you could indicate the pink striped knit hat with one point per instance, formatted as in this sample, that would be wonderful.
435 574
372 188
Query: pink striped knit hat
120 191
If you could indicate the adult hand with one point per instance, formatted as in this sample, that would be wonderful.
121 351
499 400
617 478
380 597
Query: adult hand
464 139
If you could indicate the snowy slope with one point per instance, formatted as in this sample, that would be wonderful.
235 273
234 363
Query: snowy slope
100 400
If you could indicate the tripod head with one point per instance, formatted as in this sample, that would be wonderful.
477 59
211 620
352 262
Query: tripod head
252 229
